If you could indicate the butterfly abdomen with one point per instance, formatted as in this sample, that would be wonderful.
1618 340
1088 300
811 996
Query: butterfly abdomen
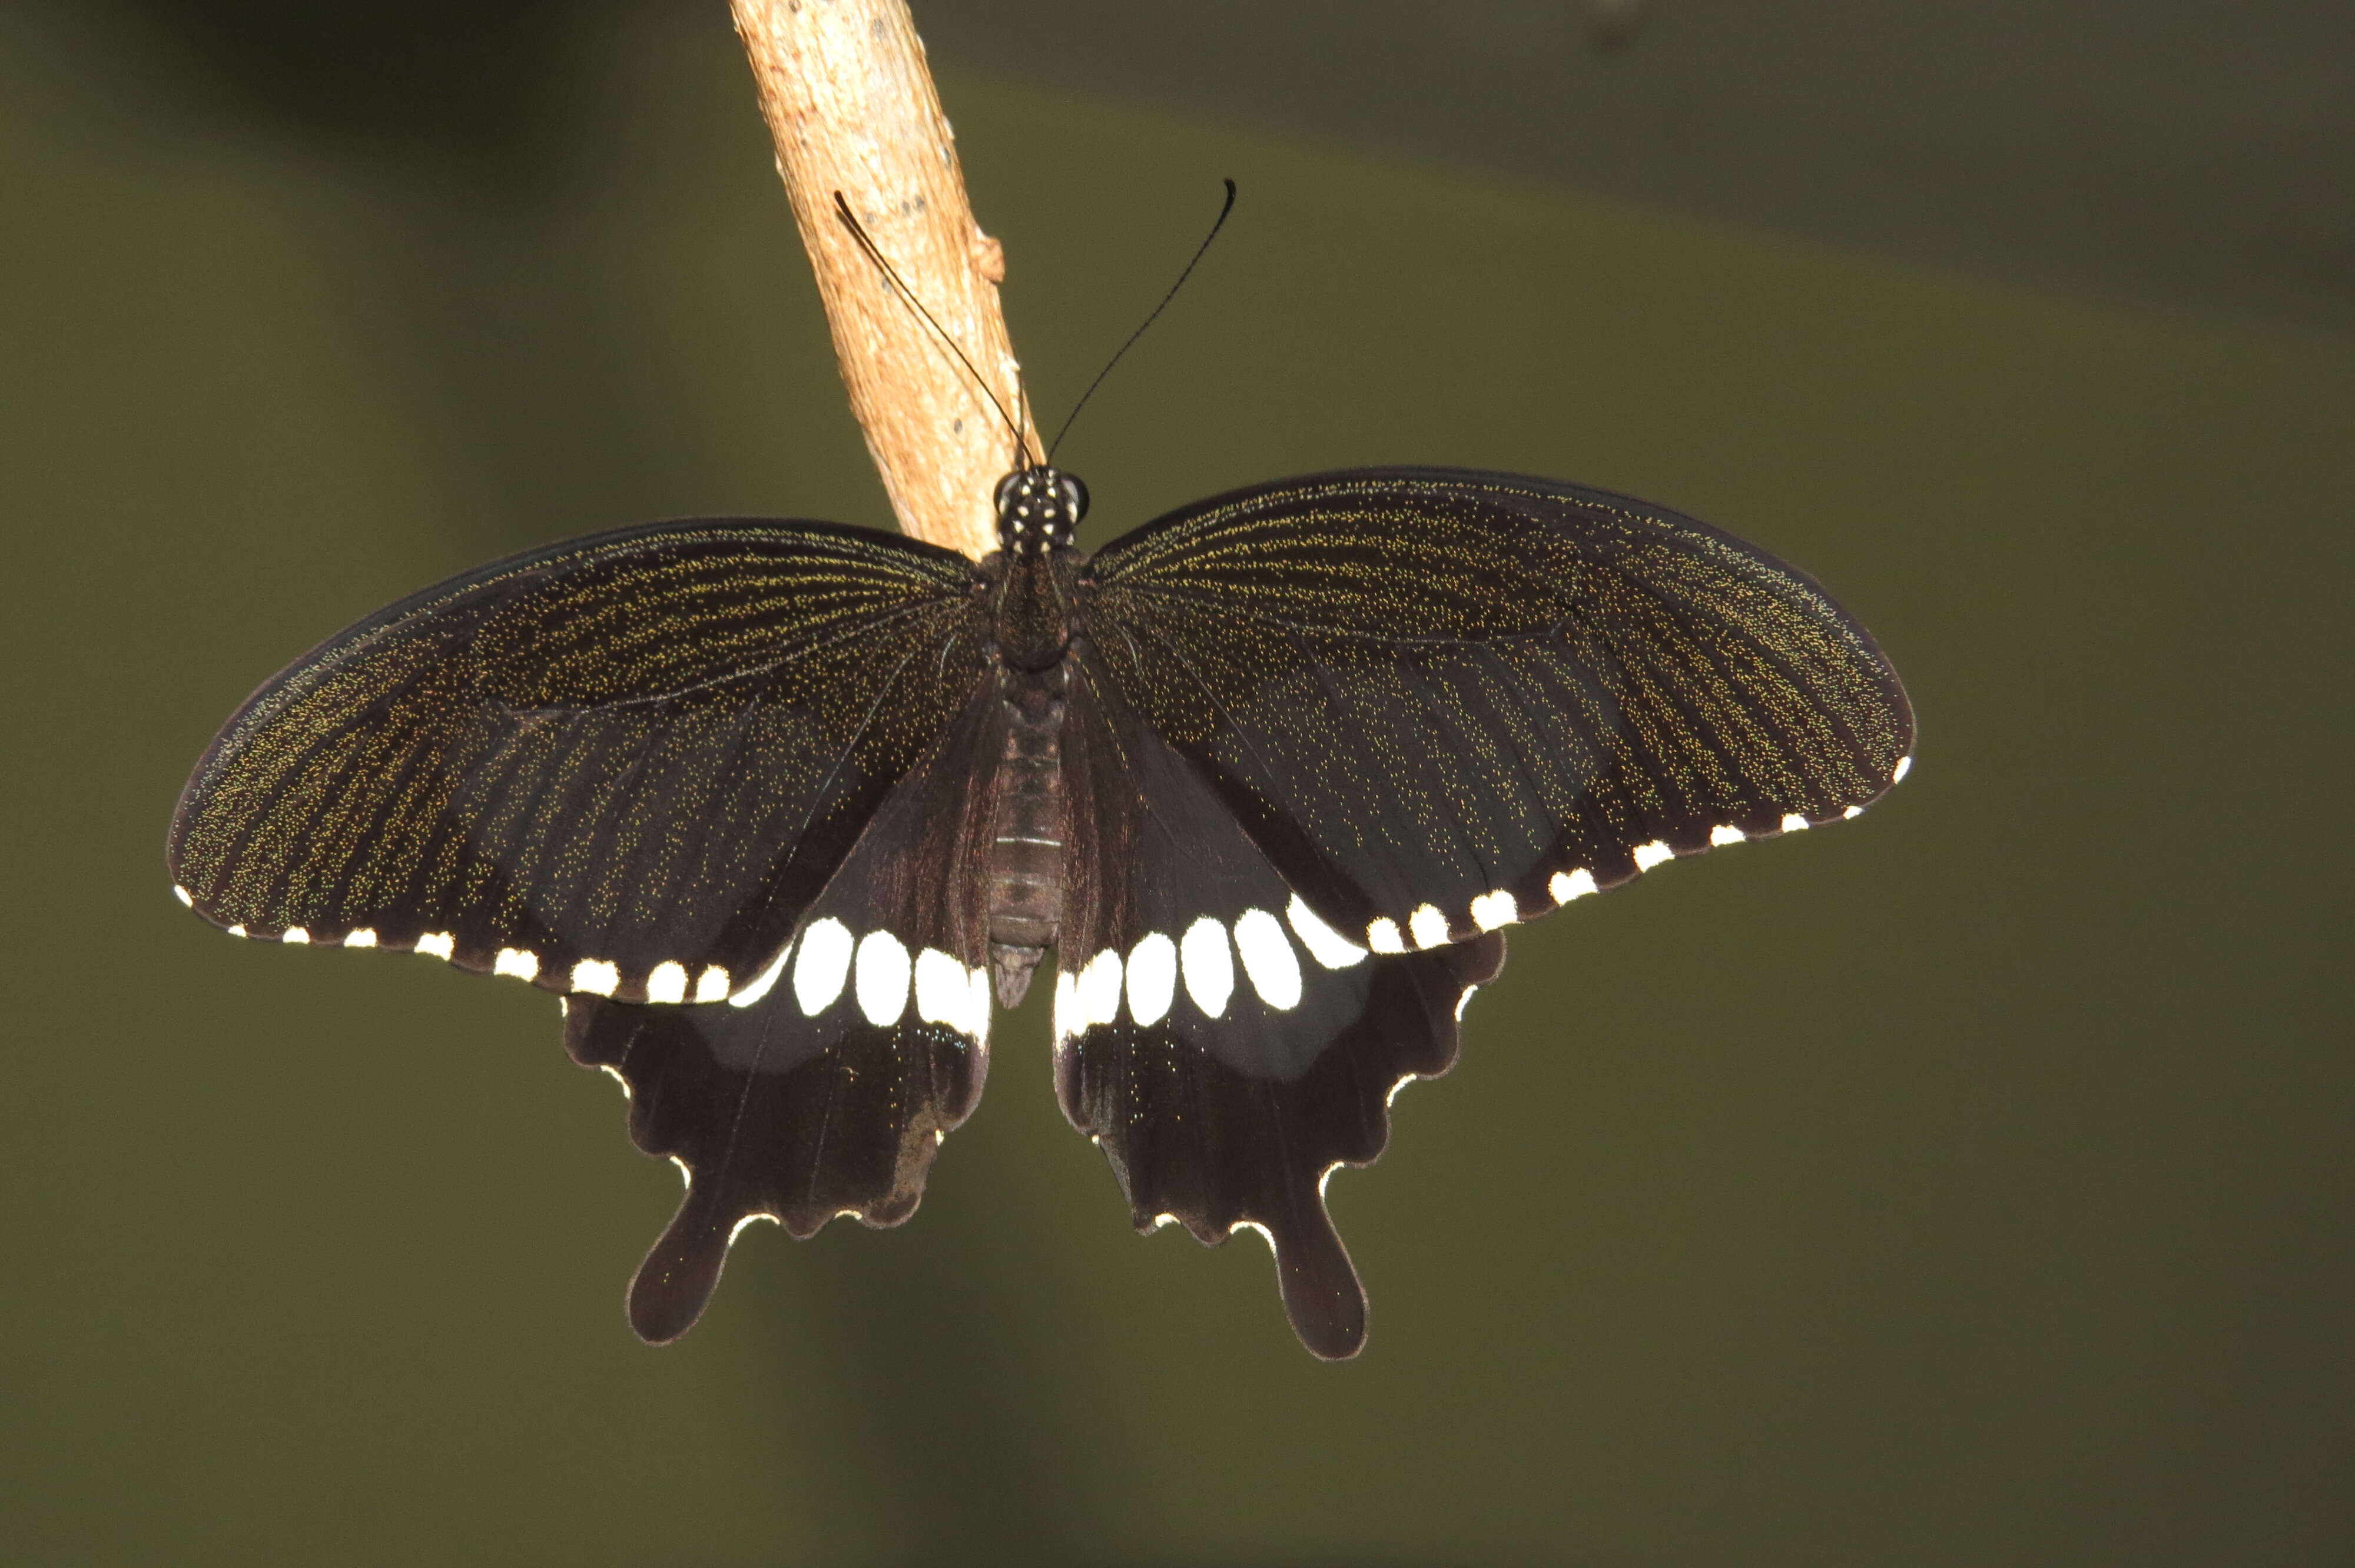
1028 829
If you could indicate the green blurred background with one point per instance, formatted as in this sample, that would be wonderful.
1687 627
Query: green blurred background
1968 1185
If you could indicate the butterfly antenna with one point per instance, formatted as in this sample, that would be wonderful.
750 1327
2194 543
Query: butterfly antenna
875 254
1217 224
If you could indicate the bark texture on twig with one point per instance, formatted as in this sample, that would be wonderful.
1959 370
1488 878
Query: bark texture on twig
850 104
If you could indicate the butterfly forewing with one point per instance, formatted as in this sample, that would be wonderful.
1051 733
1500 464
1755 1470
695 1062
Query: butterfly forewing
1223 1045
825 1087
1441 701
622 766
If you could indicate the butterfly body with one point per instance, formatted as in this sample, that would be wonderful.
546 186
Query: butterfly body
1032 826
782 808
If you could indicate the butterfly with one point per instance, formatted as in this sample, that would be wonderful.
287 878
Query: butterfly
781 810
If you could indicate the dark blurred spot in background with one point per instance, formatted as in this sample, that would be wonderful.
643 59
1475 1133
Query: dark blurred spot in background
467 81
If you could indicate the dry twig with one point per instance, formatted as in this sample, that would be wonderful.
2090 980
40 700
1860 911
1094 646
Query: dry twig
850 104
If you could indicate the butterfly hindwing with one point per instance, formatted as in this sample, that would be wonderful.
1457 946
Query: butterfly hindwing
1441 701
622 766
1222 1044
825 1087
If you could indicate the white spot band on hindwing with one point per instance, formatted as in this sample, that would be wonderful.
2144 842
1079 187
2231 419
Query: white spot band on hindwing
1152 978
882 984
1098 997
1326 944
764 981
824 965
940 989
1268 958
1209 966
949 993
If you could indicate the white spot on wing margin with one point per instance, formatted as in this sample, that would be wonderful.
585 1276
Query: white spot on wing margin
1254 1226
1491 910
666 982
1566 886
752 1219
597 977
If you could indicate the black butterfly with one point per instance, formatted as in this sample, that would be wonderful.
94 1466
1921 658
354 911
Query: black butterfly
781 807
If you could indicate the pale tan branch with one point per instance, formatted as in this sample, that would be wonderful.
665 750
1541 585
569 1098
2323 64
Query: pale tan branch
850 104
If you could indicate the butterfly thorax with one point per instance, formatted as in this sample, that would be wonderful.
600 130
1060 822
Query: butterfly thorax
1039 512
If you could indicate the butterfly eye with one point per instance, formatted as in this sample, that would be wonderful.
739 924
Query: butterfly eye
1075 497
1003 496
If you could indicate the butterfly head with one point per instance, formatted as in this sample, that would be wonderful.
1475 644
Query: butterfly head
1039 510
